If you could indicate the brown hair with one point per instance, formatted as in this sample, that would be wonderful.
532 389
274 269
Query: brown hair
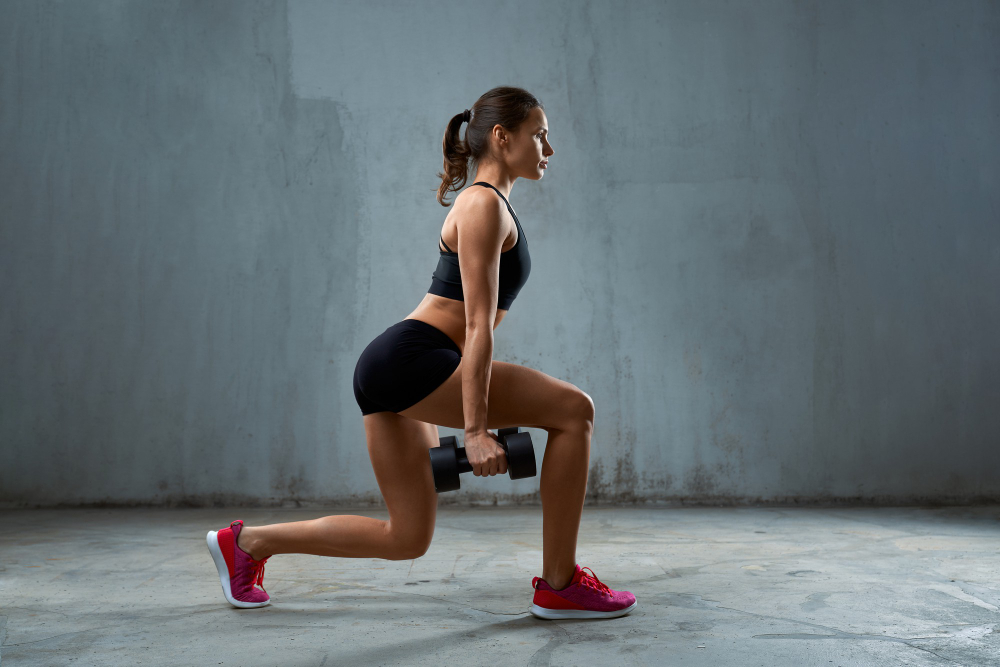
506 106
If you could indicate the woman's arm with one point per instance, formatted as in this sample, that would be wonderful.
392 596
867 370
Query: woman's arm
480 237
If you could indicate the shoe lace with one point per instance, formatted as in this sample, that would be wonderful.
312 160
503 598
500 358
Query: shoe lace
257 572
592 581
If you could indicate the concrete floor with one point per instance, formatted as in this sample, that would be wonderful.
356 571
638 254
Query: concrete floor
715 586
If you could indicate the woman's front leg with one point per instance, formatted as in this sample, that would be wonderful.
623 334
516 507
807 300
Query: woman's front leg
563 488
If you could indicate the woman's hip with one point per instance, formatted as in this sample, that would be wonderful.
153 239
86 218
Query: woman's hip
407 350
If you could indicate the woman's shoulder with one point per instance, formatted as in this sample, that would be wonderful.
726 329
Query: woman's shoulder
475 201
472 204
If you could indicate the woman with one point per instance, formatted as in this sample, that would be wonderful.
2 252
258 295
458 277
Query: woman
435 367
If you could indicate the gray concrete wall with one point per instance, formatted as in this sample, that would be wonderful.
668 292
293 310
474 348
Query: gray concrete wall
767 243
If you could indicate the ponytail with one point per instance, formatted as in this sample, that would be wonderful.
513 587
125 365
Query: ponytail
456 159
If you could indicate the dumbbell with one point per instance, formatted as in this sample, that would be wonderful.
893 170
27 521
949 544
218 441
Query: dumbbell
449 460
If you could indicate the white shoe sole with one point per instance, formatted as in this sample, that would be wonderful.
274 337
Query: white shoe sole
220 565
557 614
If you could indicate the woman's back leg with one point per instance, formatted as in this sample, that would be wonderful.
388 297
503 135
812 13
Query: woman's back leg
398 448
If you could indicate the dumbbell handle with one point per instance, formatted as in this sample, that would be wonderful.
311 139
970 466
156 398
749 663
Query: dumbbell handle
463 460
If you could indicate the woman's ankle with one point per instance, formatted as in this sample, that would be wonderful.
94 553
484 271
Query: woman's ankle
248 541
558 583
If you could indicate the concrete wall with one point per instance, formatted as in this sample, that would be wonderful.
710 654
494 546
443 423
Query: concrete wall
767 243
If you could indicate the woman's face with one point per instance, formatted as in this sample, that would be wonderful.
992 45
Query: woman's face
529 146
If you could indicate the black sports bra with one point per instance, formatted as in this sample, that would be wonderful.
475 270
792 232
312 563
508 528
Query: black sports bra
515 265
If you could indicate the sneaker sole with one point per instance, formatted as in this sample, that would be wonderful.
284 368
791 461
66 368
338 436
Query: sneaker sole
557 614
220 565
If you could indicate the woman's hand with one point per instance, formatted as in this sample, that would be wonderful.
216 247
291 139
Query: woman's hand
485 454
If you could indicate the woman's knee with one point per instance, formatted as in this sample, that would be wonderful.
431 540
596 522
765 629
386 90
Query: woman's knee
409 551
578 412
409 545
589 409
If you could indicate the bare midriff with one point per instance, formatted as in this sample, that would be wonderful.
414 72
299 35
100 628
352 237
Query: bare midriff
448 315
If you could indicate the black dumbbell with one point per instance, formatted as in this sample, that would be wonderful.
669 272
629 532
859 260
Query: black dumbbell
449 460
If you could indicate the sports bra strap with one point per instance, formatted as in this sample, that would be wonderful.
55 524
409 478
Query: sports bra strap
501 197
445 245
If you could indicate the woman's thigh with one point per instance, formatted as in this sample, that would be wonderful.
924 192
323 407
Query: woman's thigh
518 396
398 448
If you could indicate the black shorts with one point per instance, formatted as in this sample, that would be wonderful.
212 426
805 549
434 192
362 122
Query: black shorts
403 365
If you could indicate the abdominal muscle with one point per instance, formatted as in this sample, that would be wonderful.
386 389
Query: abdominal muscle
448 315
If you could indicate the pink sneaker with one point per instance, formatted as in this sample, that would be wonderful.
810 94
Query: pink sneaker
237 570
584 597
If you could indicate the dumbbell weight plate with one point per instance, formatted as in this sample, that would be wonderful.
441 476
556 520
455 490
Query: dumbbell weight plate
520 456
444 465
